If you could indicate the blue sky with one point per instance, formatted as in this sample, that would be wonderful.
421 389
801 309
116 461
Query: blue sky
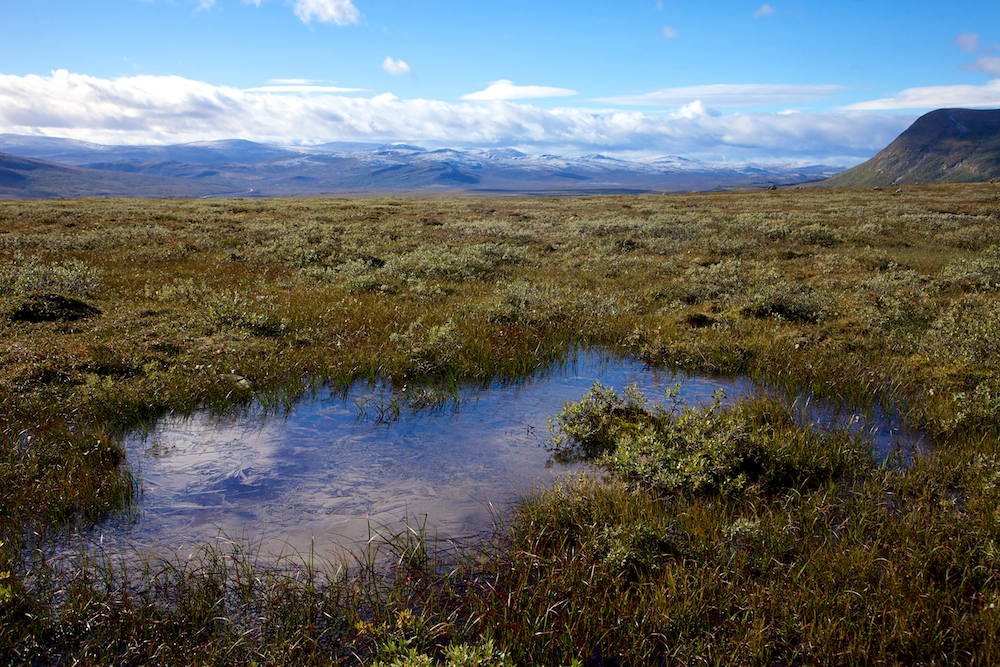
727 80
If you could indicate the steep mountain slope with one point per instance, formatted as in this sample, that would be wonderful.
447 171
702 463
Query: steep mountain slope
943 146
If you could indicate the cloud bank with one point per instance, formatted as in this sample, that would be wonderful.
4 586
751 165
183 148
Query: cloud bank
172 109
730 95
936 97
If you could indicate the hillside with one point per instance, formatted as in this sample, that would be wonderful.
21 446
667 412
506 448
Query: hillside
26 178
943 146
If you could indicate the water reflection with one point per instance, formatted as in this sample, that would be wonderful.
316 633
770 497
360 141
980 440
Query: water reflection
322 476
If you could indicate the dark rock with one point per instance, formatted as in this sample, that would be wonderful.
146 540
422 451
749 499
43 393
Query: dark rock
52 308
700 320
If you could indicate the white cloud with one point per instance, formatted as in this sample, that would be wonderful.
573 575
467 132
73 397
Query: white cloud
730 95
171 109
765 10
987 64
341 12
506 90
697 109
292 82
669 32
936 97
396 67
968 42
302 88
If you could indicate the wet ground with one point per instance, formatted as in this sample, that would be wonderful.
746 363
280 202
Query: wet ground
337 469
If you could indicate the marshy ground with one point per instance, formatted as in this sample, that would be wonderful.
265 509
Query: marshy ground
729 535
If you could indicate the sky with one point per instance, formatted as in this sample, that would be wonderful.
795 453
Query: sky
728 80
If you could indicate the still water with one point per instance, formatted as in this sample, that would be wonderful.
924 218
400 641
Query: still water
329 474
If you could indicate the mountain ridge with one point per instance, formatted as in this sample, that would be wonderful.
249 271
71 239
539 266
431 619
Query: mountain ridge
942 146
264 170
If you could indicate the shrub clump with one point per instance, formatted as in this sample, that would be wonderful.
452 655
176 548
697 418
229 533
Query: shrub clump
691 451
29 275
675 450
792 302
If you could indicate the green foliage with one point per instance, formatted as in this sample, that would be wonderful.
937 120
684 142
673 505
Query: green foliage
711 450
256 314
982 273
789 301
725 281
430 349
30 275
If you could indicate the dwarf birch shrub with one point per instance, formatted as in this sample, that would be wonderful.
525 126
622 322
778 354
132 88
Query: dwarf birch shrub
255 313
982 273
725 281
894 298
968 330
430 349
527 303
30 275
788 300
676 450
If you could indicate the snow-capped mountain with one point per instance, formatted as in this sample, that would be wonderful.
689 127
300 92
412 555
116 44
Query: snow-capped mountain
242 166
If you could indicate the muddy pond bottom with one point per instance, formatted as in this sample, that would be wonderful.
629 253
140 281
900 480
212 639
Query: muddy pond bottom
330 474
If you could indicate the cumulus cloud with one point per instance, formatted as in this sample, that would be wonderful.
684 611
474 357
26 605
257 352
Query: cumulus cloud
697 109
506 90
341 12
396 67
765 10
968 42
936 97
669 32
171 109
731 95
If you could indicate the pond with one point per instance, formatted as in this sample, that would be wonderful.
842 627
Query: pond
334 470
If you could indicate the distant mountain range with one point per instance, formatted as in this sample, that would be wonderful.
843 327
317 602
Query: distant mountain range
26 178
44 167
943 146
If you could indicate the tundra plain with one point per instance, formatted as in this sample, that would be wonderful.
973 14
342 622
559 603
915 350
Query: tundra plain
727 535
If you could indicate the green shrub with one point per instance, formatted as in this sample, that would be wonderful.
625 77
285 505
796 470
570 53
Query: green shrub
256 314
790 301
29 275
684 450
430 349
982 273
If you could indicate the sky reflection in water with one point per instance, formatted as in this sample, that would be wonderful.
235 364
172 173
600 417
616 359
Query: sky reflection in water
321 475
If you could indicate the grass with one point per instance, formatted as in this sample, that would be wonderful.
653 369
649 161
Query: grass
721 536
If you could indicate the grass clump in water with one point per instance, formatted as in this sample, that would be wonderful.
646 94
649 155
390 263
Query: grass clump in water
685 450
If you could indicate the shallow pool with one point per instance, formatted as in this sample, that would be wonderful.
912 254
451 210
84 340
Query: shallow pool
329 474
